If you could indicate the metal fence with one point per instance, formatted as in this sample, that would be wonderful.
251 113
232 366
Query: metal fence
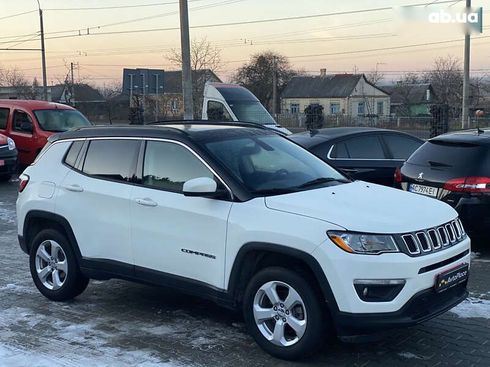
422 127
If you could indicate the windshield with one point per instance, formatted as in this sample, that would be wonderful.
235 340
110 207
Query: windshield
251 111
57 120
270 164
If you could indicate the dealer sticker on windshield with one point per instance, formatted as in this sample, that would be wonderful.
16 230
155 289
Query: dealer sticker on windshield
451 278
423 190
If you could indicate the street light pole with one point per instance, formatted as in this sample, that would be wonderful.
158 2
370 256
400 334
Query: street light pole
43 53
466 71
186 61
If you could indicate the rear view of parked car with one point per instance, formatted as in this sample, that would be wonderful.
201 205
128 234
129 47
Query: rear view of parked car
367 154
8 157
30 123
454 168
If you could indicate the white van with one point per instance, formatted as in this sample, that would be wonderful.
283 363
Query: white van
231 102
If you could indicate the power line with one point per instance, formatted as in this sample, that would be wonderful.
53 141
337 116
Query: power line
18 14
216 25
117 6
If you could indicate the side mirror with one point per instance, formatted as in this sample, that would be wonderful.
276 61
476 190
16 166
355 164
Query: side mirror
26 126
201 186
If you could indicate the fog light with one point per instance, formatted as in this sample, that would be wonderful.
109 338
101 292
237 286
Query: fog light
378 290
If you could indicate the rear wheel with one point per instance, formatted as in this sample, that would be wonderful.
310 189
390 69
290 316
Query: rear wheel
54 267
283 314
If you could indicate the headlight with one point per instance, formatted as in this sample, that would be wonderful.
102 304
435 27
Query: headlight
11 144
363 243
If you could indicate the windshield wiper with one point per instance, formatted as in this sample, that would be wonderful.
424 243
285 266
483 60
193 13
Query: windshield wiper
438 164
275 191
321 180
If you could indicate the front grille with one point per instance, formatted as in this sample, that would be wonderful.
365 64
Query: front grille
433 239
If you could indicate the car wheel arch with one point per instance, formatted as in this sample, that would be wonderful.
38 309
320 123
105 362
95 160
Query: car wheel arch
255 256
37 220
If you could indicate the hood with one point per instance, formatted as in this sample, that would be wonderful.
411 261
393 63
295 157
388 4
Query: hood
364 207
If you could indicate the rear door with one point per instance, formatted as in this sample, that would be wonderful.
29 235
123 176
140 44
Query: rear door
96 198
363 158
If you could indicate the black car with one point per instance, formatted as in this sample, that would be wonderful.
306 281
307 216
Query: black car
368 154
8 158
455 168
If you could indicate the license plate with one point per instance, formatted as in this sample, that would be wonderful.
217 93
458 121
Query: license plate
451 278
423 190
2 163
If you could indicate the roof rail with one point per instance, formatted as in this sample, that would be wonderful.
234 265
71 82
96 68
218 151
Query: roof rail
207 122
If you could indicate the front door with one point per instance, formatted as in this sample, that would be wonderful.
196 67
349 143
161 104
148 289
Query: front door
173 233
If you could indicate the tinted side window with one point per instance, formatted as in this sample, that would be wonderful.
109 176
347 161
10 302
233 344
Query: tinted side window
339 151
4 115
365 147
167 166
73 152
112 159
217 112
22 122
401 147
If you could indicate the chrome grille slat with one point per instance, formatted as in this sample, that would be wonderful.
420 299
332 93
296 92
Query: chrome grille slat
434 238
450 231
423 241
411 244
455 226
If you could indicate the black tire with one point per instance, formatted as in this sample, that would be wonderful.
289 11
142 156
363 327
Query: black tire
4 178
74 283
316 321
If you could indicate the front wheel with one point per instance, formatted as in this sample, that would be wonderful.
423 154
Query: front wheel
54 267
283 314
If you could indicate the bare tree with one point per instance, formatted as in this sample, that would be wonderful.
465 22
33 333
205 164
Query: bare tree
446 78
375 76
205 61
257 75
15 79
110 92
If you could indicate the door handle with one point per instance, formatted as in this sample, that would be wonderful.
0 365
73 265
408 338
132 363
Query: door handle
145 202
74 188
349 170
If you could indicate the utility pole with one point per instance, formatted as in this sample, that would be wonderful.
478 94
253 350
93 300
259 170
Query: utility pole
186 61
274 86
466 71
43 53
72 85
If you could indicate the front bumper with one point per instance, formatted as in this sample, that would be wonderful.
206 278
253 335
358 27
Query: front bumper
9 166
421 307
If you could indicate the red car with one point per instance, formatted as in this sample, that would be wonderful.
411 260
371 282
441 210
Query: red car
30 123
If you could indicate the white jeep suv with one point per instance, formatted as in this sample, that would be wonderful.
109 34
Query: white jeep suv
245 217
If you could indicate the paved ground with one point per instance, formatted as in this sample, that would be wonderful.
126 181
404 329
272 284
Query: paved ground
116 323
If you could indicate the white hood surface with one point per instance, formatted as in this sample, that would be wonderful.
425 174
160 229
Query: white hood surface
365 207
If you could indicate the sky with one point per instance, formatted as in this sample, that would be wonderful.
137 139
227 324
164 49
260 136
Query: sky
341 36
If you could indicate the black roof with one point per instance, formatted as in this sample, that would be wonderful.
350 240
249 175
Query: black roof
409 93
177 129
466 136
314 137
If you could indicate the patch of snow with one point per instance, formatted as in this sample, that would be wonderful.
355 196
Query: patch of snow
473 308
409 355
75 344
7 215
14 288
15 357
